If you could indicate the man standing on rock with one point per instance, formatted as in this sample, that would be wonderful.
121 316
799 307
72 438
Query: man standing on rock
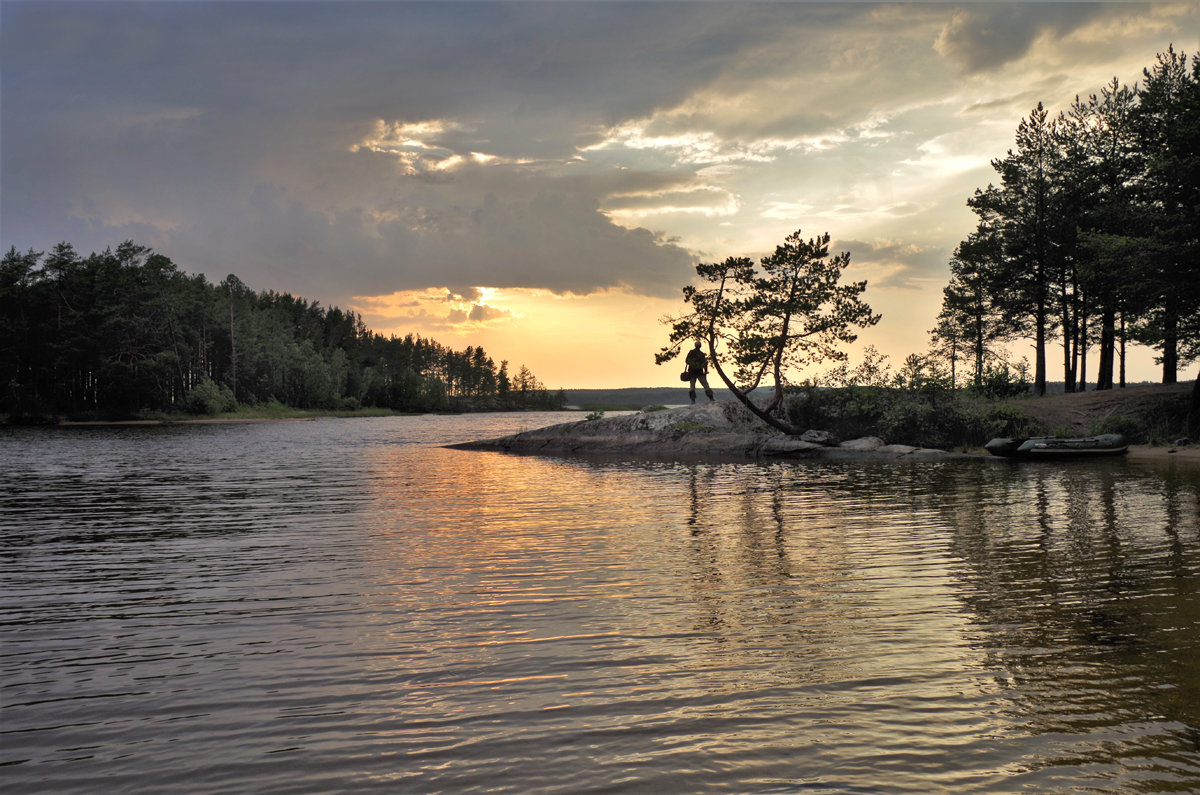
697 369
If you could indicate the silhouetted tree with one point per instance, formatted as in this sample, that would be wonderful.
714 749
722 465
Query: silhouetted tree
793 312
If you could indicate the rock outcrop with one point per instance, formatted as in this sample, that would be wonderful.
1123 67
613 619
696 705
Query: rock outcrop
724 430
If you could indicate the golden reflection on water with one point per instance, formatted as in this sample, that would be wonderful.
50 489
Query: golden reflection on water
687 591
914 607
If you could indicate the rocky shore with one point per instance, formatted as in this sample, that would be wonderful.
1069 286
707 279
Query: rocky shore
709 430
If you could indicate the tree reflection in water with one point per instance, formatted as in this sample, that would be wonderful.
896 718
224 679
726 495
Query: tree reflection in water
1081 588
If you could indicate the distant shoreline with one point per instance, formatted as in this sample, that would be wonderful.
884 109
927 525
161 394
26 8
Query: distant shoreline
181 421
297 415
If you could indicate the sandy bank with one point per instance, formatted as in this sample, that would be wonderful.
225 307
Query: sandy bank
1189 454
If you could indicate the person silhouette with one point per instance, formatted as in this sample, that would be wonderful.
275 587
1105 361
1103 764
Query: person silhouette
697 370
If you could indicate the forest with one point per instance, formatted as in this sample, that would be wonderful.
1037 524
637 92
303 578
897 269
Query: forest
125 333
1090 240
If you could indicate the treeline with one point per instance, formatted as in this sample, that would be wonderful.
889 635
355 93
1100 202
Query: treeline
1091 238
123 333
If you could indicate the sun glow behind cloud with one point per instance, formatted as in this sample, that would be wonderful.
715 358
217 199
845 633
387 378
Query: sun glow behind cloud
420 147
435 311
632 209
699 146
565 339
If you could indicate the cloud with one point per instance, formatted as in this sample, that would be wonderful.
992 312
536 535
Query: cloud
707 200
462 294
478 314
338 150
433 310
518 233
987 36
481 313
893 264
315 149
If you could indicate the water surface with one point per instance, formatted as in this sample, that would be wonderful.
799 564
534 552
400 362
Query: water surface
344 605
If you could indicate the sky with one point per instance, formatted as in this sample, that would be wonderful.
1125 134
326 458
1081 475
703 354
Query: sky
539 178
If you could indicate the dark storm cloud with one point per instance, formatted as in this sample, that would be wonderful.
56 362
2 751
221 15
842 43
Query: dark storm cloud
514 65
986 36
222 134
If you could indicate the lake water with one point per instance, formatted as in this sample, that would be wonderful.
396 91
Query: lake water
345 606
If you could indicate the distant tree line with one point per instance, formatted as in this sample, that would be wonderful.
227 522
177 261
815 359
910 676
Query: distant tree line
125 332
1091 238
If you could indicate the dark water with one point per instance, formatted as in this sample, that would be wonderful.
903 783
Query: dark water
342 605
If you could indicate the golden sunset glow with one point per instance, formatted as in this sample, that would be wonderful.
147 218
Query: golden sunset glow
598 339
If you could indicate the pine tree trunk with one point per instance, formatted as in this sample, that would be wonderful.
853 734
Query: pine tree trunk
1170 347
1081 346
1193 426
1108 342
1068 337
1122 350
1039 355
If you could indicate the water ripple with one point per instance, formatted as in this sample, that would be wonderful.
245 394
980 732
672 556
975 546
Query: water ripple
344 605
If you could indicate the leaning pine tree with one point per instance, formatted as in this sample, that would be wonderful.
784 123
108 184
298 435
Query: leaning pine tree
793 312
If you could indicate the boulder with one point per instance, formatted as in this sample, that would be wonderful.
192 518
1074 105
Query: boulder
824 438
865 444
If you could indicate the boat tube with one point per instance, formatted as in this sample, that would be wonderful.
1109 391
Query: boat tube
1104 444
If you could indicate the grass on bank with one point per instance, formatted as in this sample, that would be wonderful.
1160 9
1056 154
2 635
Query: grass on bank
960 419
944 421
1157 424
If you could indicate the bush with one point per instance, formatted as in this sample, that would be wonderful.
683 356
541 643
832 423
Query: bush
1193 417
273 408
1132 428
949 424
847 412
1004 422
1001 382
207 397
1157 422
901 416
914 423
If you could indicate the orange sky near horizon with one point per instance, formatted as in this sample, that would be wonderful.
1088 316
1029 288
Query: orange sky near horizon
608 340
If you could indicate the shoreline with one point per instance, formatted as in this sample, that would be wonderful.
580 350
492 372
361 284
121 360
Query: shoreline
184 421
726 431
298 416
705 431
721 430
